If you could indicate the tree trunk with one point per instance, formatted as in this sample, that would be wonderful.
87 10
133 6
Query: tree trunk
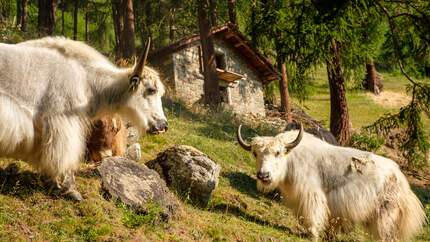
339 117
232 12
427 69
172 26
87 24
371 77
62 17
283 89
148 20
127 35
283 83
46 17
24 15
75 20
18 12
118 23
253 33
5 12
212 12
211 84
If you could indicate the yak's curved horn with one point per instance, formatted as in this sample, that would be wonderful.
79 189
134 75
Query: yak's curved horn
240 140
297 140
142 60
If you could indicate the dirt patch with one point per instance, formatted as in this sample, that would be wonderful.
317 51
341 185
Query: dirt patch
390 99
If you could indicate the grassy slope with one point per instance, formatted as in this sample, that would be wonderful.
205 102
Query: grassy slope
236 212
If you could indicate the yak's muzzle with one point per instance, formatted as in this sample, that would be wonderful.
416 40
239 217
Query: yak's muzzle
160 127
264 177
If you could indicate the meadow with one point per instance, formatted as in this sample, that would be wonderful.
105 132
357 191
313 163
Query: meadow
236 212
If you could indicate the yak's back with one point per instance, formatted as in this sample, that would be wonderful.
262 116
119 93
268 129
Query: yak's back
71 49
41 79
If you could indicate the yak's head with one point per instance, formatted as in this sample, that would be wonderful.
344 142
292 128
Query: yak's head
271 154
144 106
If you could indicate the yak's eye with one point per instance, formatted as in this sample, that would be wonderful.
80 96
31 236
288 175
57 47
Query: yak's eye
278 153
151 91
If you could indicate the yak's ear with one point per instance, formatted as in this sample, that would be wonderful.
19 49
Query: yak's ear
137 75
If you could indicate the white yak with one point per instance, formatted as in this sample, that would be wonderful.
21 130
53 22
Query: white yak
323 183
51 88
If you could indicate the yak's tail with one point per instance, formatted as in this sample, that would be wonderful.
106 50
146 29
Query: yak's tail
413 216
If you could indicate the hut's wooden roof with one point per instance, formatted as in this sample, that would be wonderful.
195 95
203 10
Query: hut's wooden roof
237 41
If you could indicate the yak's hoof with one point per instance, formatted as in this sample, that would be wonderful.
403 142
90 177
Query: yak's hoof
75 195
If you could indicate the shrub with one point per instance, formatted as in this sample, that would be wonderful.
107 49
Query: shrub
366 142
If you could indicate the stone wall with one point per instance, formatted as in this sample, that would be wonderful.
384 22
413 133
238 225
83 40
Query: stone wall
246 94
188 77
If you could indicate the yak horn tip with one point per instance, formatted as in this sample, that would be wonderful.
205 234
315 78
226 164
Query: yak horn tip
297 140
241 141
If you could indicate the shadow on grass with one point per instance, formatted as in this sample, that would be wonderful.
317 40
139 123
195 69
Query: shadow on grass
247 185
23 184
239 212
243 183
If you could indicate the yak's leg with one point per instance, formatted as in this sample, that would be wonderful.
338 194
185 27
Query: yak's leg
70 186
314 211
51 182
386 223
64 145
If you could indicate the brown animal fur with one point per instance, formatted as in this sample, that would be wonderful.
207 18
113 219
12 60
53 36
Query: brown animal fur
108 138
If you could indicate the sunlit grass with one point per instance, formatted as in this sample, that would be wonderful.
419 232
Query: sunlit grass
30 211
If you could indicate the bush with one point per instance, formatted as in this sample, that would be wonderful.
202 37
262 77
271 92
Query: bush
366 142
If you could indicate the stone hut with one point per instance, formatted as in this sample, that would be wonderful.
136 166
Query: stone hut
242 70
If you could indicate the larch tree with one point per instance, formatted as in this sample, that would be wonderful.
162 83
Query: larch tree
22 14
5 12
409 20
47 17
127 35
123 18
232 12
211 82
75 19
269 20
118 24
306 33
213 12
87 21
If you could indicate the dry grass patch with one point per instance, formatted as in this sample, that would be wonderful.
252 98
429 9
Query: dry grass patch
390 99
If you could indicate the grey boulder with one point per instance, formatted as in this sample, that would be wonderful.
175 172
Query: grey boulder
189 171
136 186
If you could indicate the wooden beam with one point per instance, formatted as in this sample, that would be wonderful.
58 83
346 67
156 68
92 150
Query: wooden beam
229 35
238 44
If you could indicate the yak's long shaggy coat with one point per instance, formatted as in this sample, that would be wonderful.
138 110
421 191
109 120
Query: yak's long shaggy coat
49 91
323 182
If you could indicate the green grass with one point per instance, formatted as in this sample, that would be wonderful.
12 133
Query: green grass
28 210
362 110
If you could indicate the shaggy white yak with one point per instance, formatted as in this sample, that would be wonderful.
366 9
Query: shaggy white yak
51 88
324 183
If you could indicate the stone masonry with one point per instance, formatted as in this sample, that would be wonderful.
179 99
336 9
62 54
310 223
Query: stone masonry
181 71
